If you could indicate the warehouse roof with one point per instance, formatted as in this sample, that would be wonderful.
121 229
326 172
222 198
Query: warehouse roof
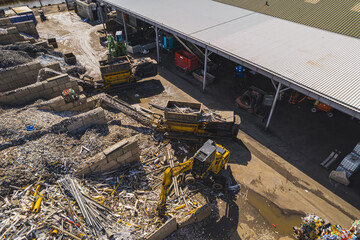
321 64
333 15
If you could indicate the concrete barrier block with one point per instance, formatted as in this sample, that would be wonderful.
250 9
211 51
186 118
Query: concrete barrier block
134 151
101 121
117 147
57 89
187 220
130 146
109 166
7 74
48 93
5 21
68 85
63 78
123 158
164 231
107 159
34 66
23 92
88 121
51 84
75 126
203 212
54 66
36 88
22 69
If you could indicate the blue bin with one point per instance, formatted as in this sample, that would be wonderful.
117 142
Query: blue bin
168 43
240 71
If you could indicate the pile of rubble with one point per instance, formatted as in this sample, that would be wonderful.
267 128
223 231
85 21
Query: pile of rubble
119 204
314 227
23 52
42 194
64 170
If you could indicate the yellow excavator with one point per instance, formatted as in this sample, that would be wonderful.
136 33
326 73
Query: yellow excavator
207 163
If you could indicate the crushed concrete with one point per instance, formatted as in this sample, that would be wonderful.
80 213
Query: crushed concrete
23 52
10 58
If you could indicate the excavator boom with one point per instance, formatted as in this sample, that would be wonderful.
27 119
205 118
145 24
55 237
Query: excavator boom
167 181
211 158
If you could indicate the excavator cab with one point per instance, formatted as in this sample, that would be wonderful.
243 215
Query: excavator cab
203 158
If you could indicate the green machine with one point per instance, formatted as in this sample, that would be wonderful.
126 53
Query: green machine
116 46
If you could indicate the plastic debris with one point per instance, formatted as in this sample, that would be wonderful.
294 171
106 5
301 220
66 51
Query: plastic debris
315 228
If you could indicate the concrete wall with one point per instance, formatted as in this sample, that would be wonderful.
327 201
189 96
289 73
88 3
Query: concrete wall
19 76
165 230
81 122
84 10
48 89
5 22
58 104
27 27
173 224
10 35
198 216
113 157
54 66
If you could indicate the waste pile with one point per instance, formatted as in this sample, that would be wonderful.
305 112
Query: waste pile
182 109
212 116
314 227
20 53
206 115
41 198
119 204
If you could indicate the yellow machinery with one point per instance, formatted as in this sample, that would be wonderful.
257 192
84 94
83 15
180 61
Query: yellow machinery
116 71
207 163
124 72
192 125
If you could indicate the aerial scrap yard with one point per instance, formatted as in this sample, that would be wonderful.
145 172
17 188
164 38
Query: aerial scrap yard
99 142
87 166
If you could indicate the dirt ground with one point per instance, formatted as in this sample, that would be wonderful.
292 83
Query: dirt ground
74 35
272 167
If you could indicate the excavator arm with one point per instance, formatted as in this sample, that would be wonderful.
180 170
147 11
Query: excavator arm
210 158
167 180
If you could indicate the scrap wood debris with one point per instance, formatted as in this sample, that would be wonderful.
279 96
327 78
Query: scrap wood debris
117 205
110 204
314 227
207 115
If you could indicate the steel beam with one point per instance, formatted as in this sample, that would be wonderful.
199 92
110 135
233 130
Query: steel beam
124 23
157 44
205 67
273 105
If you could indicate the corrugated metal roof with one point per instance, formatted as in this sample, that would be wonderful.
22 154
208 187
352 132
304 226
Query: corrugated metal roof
332 15
319 61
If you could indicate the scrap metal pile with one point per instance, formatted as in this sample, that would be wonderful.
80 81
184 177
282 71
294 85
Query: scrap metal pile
118 204
41 199
314 227
207 115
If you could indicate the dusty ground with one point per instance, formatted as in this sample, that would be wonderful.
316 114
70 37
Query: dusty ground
74 35
286 189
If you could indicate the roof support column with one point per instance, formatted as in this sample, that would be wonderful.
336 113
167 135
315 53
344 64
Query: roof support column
124 23
273 105
205 67
157 44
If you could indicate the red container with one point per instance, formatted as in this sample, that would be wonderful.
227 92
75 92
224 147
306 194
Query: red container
186 61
